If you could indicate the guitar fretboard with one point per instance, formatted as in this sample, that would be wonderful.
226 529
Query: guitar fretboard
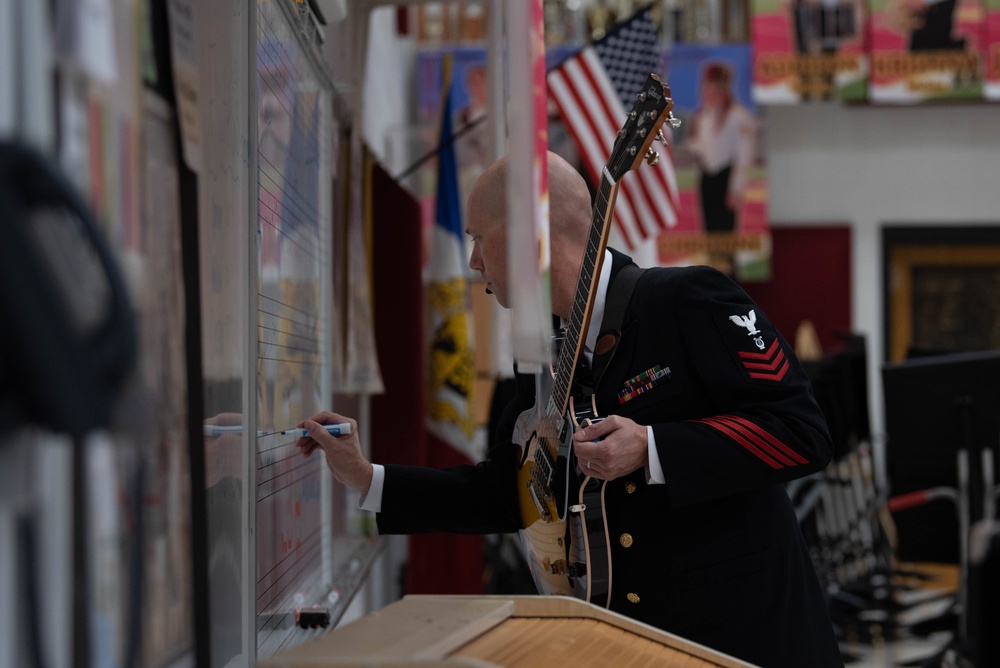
584 301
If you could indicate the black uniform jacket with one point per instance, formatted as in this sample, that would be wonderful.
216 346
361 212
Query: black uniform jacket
716 554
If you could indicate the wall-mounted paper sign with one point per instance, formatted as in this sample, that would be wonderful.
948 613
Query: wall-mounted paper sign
809 50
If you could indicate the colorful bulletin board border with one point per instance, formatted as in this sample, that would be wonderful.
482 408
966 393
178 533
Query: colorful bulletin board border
809 50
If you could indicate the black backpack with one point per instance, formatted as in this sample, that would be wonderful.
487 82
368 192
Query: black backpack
67 332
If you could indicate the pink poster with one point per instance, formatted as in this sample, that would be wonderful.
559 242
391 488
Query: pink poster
809 50
926 50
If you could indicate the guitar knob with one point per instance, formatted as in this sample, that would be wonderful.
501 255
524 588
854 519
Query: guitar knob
674 122
652 157
660 138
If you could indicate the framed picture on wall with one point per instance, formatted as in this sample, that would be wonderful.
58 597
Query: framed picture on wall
940 285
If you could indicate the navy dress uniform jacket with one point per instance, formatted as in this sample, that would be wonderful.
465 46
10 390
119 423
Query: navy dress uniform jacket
716 554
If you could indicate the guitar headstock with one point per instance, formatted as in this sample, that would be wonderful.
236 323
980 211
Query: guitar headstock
643 124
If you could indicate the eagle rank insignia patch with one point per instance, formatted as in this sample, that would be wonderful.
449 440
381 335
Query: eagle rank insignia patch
755 347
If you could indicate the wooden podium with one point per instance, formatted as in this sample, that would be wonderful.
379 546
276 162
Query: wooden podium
483 631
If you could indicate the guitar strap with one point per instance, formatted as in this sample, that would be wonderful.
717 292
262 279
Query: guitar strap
615 305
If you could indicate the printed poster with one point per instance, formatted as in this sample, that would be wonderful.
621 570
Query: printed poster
809 50
720 158
926 50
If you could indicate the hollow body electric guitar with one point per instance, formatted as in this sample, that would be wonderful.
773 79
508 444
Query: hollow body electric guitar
565 535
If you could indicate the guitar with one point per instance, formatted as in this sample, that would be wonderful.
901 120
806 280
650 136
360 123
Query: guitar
564 536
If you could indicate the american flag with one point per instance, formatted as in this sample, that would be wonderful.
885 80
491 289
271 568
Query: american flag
594 89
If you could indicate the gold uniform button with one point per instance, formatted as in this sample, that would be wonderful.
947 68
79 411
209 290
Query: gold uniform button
630 487
633 598
626 540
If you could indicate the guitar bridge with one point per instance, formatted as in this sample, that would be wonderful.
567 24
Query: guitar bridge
543 508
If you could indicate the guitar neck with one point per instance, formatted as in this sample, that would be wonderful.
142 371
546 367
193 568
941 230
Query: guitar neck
583 303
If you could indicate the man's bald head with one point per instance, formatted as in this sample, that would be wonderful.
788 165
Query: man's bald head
569 224
569 198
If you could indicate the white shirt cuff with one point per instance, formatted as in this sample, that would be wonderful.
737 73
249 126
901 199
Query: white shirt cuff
655 470
373 499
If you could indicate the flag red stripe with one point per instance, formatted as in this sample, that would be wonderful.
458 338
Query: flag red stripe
588 102
640 185
650 217
591 147
560 89
661 177
599 85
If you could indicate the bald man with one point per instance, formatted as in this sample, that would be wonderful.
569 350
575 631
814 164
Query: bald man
708 545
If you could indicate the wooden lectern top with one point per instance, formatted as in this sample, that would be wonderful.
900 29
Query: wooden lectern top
509 631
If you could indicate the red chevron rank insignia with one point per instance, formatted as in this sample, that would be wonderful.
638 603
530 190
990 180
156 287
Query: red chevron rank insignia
755 347
770 365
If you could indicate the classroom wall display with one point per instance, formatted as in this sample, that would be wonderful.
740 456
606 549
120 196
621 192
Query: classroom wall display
720 159
926 50
809 50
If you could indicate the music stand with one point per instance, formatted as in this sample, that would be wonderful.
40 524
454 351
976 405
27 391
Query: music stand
943 421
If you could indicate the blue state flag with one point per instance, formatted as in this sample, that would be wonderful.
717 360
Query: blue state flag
451 362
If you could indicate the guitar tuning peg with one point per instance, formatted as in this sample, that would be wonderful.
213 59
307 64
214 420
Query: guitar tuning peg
652 157
674 122
660 138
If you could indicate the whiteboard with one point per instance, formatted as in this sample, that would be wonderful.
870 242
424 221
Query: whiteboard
292 321
264 230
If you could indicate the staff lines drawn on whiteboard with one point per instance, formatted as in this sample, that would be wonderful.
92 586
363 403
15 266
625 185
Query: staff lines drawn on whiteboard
279 220
276 479
290 348
273 348
289 559
286 305
286 444
308 250
285 470
284 360
275 583
307 545
267 74
289 345
307 319
282 580
279 603
265 329
272 492
270 457
303 202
